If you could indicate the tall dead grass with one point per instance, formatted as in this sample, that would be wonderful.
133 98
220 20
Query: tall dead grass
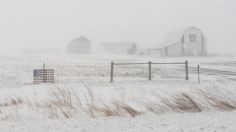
114 109
181 103
66 103
60 103
222 103
12 101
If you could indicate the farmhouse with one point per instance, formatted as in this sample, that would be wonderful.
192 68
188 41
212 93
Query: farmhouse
80 45
185 42
122 48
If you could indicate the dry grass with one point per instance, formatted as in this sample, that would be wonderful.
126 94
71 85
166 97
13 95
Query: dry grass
115 109
12 101
60 103
65 103
182 103
61 97
222 103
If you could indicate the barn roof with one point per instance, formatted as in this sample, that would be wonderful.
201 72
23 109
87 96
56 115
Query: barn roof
174 36
80 41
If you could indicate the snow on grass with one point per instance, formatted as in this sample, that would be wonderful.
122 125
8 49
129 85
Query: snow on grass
84 96
130 99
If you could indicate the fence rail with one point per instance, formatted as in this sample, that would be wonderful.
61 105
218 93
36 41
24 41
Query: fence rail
208 71
214 71
149 68
130 63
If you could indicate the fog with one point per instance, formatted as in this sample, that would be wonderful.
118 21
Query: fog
54 23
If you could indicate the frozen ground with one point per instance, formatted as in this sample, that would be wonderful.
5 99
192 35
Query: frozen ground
82 99
197 122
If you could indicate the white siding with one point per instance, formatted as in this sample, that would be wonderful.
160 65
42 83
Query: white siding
194 48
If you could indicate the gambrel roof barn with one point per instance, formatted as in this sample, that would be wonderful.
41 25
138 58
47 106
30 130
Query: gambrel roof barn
184 42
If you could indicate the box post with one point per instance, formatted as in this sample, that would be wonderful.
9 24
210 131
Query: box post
150 70
112 72
198 72
186 70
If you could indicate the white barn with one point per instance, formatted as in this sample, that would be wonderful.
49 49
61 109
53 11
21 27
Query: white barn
80 45
185 42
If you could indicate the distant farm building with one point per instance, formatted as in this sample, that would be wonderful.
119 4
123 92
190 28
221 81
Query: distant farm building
122 48
80 45
185 42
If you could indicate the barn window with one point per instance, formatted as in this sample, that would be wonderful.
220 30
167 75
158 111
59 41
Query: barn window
193 38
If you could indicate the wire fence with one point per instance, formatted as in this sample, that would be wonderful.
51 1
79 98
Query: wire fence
228 74
149 68
184 67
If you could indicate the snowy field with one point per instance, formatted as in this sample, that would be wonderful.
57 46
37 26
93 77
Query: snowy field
83 99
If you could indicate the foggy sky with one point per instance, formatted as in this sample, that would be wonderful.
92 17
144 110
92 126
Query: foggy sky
53 23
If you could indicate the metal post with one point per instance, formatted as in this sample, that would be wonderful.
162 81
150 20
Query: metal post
186 70
150 70
198 72
112 70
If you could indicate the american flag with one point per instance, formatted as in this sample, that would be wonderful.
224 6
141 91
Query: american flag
43 75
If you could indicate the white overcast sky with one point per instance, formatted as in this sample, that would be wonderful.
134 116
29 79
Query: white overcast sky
53 23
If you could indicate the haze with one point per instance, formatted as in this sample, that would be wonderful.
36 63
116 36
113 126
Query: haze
53 23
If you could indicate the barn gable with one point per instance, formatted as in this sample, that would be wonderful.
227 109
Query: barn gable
186 41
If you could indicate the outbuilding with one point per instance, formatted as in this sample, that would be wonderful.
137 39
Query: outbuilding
80 45
185 42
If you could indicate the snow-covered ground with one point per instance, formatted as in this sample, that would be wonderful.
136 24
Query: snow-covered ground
83 99
190 122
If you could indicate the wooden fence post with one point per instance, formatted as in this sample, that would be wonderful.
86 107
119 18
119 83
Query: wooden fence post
112 70
150 70
198 72
186 70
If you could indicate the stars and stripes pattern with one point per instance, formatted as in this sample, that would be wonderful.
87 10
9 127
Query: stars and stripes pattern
43 75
